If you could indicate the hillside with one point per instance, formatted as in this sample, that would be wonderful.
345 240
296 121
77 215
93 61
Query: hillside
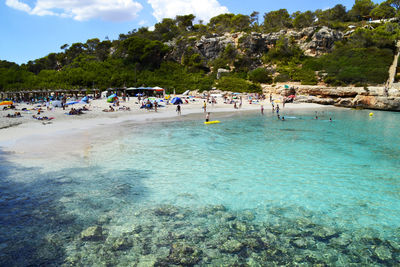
232 52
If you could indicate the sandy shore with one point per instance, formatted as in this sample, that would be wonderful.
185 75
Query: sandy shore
20 135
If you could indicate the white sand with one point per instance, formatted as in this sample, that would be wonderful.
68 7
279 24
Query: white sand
31 135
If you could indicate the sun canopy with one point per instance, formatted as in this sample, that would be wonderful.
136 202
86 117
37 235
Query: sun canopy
176 101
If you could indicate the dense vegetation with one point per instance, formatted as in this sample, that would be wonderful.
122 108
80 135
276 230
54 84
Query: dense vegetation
142 57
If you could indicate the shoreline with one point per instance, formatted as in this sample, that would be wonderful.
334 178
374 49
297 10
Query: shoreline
32 137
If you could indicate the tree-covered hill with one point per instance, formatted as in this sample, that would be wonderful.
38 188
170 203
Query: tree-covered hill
334 46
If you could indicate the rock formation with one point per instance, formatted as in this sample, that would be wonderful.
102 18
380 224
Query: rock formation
311 40
351 97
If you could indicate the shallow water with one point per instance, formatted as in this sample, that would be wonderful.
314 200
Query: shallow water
307 191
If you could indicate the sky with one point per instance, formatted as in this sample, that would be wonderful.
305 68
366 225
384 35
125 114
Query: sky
31 29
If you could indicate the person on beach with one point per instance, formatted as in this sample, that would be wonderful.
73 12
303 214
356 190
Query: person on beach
277 108
178 109
208 117
279 117
262 109
155 106
270 97
205 106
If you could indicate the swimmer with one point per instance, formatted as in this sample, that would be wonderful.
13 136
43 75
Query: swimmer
330 119
283 118
208 117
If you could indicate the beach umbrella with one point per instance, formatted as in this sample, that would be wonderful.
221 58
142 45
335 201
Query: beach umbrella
176 101
85 99
111 98
277 101
292 96
4 103
56 103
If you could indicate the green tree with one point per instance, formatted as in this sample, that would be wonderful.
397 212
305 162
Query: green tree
254 18
260 75
185 23
221 23
303 20
235 84
277 20
361 9
166 30
383 11
240 23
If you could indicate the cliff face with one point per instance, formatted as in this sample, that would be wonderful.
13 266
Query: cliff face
313 41
351 97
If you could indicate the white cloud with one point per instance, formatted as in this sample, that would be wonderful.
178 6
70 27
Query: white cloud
111 10
202 9
18 5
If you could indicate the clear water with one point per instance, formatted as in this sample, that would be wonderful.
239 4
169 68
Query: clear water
342 174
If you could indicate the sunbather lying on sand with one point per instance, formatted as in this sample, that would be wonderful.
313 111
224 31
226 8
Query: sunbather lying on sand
109 110
44 118
15 115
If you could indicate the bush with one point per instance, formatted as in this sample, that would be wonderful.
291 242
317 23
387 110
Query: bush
260 75
283 77
357 65
234 84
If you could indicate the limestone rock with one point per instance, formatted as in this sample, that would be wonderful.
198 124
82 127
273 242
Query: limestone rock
184 254
221 72
122 243
166 210
231 246
325 233
383 253
93 233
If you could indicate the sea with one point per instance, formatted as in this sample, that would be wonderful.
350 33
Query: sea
252 190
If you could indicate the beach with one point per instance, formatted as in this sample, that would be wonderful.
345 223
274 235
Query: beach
19 134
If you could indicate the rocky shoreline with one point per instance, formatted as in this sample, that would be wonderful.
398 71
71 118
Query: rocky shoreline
175 236
169 235
350 97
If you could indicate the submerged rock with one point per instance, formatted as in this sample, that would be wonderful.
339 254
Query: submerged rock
325 233
166 210
147 261
231 246
300 243
93 233
239 226
342 241
216 208
184 254
122 243
383 253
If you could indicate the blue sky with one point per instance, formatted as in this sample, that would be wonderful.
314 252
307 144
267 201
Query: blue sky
31 29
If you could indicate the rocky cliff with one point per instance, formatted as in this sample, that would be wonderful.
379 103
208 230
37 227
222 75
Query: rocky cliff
351 97
313 41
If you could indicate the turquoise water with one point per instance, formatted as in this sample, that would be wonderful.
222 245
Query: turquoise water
307 191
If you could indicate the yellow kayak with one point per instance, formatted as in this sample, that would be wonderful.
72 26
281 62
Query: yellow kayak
211 122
